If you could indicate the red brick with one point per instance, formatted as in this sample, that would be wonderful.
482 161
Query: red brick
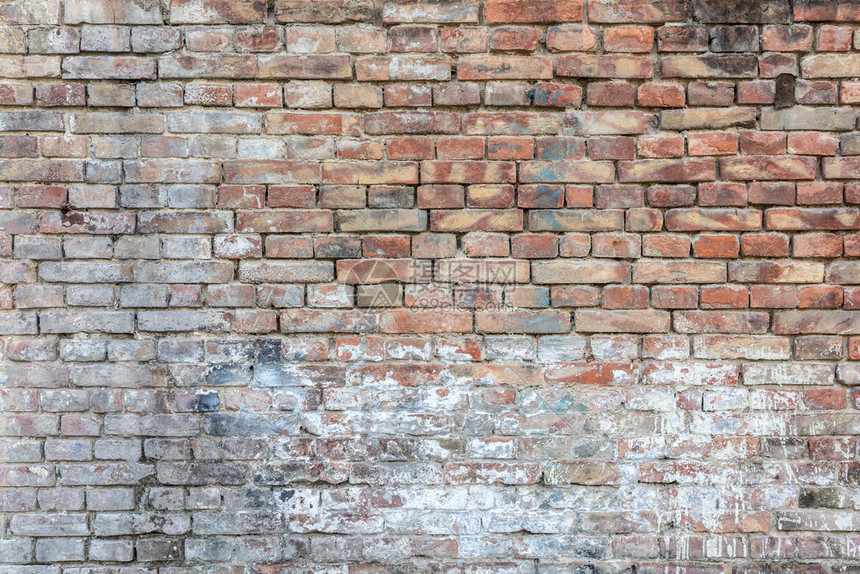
413 39
557 95
671 297
611 94
772 193
50 95
611 148
660 146
502 147
571 38
460 147
486 245
712 144
834 38
462 39
682 38
815 193
410 148
724 297
624 297
811 143
504 68
716 246
534 246
817 245
604 66
722 194
622 11
516 39
757 92
762 143
386 246
764 245
41 196
533 11
628 39
787 38
661 95
819 297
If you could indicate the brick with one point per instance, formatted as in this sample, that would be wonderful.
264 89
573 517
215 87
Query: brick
713 220
803 118
109 67
708 11
766 245
757 92
667 170
464 39
284 221
709 67
311 67
768 167
605 11
457 12
399 67
660 146
518 39
476 220
591 66
532 11
628 39
326 11
661 95
712 144
682 38
504 68
209 12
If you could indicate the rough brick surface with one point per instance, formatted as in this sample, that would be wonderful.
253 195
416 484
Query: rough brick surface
436 286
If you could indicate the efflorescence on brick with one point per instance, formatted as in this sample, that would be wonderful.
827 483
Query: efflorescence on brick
459 287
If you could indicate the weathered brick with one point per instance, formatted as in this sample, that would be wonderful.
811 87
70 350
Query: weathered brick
580 272
106 12
504 68
260 331
215 12
109 67
536 11
311 67
623 11
324 11
604 66
709 67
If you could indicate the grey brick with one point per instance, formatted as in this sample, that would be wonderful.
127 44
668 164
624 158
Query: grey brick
83 350
60 550
107 550
43 525
174 321
90 295
61 499
118 449
86 322
88 247
37 247
110 499
143 296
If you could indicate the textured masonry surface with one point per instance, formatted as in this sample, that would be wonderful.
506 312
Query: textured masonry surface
410 286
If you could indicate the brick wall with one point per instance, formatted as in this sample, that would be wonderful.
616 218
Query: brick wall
402 286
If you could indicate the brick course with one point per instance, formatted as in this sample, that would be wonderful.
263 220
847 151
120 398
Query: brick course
394 286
